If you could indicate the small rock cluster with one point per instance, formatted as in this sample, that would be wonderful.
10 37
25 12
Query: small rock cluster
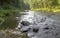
12 34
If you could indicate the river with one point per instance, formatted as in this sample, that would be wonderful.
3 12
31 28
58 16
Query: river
39 24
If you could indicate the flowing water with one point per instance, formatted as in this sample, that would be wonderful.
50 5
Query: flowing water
38 25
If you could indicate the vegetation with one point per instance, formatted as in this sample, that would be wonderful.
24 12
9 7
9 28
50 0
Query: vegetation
12 34
9 6
49 5
8 11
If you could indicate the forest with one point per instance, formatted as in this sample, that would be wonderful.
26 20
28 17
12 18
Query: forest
22 13
48 5
9 7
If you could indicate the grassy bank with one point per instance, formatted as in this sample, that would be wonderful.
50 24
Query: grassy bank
8 18
47 9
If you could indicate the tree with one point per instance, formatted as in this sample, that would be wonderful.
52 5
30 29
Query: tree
11 4
38 4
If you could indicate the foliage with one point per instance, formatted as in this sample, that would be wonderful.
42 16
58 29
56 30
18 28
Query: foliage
45 5
7 14
10 7
11 4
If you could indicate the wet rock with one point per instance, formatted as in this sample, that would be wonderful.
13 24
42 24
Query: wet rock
43 19
19 26
26 30
30 34
47 32
35 30
56 34
46 28
34 37
25 23
41 26
46 24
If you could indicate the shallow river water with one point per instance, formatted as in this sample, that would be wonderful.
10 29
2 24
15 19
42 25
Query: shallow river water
39 25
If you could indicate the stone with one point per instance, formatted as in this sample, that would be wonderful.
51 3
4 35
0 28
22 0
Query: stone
25 23
35 30
46 28
24 31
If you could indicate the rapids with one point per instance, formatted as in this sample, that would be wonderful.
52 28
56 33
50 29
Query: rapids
38 26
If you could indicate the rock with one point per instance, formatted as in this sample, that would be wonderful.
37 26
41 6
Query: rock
35 30
46 28
19 27
41 26
30 34
25 23
47 32
43 19
25 29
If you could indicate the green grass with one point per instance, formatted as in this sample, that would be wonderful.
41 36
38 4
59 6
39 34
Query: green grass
7 18
55 9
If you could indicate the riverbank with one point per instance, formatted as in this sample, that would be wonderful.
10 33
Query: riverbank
9 33
8 18
47 9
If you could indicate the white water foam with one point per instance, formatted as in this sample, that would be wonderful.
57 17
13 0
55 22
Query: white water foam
40 26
